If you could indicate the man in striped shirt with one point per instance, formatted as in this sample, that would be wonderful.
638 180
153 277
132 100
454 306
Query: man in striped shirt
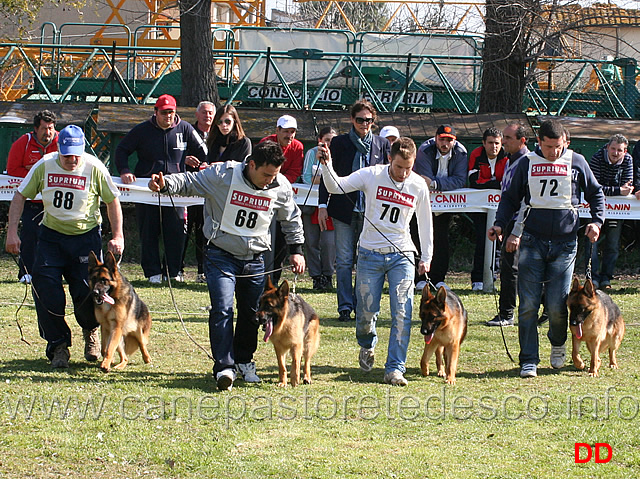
612 166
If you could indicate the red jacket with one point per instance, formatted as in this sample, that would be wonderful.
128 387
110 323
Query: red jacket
294 154
25 152
480 176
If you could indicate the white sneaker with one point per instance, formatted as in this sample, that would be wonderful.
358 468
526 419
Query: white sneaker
420 286
225 378
26 278
477 286
366 359
442 283
201 278
558 355
179 278
247 371
155 279
395 378
529 370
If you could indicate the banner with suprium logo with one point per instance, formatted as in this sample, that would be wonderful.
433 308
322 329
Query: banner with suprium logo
465 200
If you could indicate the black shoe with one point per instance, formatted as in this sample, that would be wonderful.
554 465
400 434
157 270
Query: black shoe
544 317
345 315
318 284
498 321
327 283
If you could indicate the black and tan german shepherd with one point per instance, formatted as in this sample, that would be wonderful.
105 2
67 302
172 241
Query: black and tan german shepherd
595 319
444 326
125 321
292 325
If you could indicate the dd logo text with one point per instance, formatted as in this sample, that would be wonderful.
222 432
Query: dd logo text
594 451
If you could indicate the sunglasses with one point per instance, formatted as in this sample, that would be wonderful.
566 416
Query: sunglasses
360 120
226 121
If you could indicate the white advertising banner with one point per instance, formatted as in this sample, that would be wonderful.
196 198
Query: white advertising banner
465 200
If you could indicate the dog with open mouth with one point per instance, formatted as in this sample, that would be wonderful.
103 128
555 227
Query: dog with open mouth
292 326
595 319
444 327
125 321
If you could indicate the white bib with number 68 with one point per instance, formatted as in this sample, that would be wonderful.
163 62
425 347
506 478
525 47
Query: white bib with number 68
247 212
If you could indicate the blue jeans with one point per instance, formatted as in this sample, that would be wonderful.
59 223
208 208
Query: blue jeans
221 269
346 240
544 265
57 256
399 270
609 245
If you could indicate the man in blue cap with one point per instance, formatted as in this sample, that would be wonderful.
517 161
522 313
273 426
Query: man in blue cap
71 183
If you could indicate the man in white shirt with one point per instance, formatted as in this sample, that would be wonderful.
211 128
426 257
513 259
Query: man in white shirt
394 193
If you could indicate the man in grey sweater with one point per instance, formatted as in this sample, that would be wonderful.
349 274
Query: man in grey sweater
240 202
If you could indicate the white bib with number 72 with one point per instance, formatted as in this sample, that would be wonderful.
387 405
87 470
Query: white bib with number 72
550 182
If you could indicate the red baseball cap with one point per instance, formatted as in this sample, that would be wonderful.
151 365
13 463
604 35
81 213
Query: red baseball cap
166 102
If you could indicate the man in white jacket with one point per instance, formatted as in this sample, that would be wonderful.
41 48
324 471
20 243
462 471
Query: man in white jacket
394 192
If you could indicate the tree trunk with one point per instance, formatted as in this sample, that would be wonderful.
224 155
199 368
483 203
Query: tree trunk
504 56
196 44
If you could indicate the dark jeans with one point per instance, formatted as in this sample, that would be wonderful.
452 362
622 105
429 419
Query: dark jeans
31 218
222 269
480 226
57 256
195 222
609 246
150 228
440 261
508 276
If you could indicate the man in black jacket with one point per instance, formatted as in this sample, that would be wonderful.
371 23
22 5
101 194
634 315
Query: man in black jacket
350 152
162 144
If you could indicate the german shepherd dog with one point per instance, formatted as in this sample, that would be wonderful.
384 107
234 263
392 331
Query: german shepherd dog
444 326
292 326
595 319
125 321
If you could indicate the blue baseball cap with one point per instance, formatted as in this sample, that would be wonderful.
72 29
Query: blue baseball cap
71 141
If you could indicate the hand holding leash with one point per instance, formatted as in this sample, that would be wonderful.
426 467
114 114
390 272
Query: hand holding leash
156 183
323 155
513 242
494 233
297 263
592 232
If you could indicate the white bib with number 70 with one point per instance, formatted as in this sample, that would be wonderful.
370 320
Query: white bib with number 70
247 212
550 182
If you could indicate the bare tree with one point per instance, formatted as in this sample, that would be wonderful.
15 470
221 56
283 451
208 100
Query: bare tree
196 50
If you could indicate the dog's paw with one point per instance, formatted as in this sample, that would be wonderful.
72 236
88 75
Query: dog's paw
613 365
441 373
451 380
306 381
593 374
282 384
578 363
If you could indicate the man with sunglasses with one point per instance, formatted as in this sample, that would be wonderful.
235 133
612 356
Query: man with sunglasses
349 152
162 144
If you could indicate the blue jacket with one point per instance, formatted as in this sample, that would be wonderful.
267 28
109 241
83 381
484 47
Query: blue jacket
342 153
552 224
427 165
159 150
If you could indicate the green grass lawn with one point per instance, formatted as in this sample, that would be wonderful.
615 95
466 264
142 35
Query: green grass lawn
166 419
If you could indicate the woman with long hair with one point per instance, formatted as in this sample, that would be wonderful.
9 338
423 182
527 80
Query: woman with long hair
226 140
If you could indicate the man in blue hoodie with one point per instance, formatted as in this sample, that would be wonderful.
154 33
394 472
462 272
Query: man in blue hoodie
162 144
550 180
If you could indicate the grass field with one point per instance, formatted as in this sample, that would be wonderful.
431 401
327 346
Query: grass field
166 419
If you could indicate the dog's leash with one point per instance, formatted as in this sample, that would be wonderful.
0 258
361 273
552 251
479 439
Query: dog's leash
495 299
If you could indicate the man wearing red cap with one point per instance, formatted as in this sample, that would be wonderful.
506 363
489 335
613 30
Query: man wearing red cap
162 144
442 162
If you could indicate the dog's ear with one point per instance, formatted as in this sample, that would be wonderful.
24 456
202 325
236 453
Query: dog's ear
93 260
283 290
426 292
269 285
110 262
575 286
441 296
589 289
